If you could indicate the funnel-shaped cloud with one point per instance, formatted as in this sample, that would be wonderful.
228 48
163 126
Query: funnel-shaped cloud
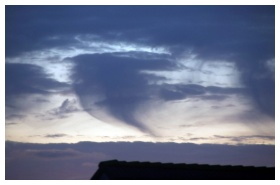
116 84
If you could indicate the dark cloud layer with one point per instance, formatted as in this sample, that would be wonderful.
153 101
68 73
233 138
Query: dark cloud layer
224 28
262 88
22 80
80 160
244 35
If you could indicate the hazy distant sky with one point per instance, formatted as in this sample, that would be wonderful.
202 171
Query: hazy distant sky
199 74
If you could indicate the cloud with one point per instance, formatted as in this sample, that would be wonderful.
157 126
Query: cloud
54 153
64 110
214 97
23 81
198 138
115 83
11 123
41 100
177 92
55 135
29 79
79 160
182 91
14 116
234 139
186 26
262 89
102 85
67 108
242 138
251 117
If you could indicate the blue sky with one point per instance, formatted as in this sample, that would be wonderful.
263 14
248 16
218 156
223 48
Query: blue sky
176 74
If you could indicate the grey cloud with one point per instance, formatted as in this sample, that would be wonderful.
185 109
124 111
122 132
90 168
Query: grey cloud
65 161
244 35
230 29
14 116
242 138
213 97
251 116
53 153
262 91
29 79
172 95
196 124
56 135
66 109
24 80
197 138
41 100
118 83
177 92
11 123
224 90
235 139
114 82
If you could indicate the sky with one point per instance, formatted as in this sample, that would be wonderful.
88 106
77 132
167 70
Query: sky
155 74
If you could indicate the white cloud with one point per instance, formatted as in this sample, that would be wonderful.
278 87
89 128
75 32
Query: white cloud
197 71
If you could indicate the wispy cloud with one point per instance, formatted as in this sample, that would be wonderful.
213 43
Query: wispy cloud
10 123
65 110
243 138
56 135
53 153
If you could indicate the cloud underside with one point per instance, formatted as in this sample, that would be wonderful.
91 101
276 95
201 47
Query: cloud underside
24 81
30 79
80 160
118 85
116 82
